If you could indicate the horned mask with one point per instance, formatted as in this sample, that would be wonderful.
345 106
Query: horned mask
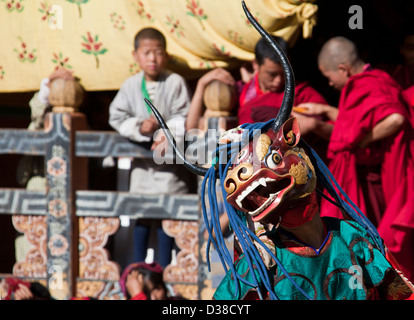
264 179
270 174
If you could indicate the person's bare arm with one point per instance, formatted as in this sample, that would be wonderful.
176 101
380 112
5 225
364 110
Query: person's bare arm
310 124
196 108
23 293
317 109
383 129
149 126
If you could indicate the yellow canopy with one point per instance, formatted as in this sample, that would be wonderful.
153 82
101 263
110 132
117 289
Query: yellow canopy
94 38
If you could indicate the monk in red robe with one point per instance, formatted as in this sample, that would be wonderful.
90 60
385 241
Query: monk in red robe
371 146
261 97
260 93
408 95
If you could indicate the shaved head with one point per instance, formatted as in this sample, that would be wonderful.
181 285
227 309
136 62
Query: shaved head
336 51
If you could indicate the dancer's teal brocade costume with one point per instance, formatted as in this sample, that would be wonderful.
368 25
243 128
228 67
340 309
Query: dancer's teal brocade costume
334 273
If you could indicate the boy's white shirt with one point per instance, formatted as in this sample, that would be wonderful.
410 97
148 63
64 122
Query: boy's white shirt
127 112
128 109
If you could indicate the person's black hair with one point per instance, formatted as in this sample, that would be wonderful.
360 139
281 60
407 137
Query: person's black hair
263 50
40 292
149 33
156 278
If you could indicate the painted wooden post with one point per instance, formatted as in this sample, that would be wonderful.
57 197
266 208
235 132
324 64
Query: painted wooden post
67 237
65 173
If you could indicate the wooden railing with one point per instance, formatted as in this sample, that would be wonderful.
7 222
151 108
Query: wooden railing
68 225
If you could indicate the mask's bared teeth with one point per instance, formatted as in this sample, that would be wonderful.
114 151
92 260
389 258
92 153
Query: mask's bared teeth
262 181
271 198
239 203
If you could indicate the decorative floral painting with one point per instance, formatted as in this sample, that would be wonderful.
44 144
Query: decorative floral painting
94 39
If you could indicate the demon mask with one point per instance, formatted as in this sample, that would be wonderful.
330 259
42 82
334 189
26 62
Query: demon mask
270 175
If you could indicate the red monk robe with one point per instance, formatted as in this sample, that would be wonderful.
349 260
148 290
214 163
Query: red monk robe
257 106
408 95
379 179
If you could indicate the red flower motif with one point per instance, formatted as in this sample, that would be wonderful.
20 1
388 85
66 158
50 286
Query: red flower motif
142 12
14 5
58 208
56 166
2 73
60 61
24 54
118 21
58 245
45 10
175 26
87 46
92 46
195 10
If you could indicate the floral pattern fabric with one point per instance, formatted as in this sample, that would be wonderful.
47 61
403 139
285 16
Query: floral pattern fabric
94 38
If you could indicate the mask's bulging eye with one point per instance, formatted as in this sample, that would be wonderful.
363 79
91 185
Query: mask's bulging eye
273 159
276 158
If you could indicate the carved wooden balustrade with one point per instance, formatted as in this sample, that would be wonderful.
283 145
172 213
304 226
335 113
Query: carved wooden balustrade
68 226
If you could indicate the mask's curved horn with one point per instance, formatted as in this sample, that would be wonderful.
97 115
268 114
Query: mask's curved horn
287 103
192 167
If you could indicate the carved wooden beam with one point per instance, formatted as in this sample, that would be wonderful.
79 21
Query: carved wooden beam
112 204
106 143
21 201
105 204
88 143
20 141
